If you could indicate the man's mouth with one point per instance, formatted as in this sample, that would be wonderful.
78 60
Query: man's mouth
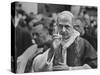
65 37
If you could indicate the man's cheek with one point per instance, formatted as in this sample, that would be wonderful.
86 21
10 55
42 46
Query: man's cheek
78 29
42 39
37 41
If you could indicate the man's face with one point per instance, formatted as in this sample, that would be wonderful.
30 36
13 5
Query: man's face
40 35
78 26
64 27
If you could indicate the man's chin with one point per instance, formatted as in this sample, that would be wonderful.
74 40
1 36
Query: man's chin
40 45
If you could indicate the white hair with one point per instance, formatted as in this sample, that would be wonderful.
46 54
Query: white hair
65 13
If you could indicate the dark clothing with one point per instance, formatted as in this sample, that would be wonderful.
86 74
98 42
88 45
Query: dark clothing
92 40
22 41
79 53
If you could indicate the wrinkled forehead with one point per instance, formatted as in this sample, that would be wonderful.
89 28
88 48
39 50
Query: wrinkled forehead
38 28
65 20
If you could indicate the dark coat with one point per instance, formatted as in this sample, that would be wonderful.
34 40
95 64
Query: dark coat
79 53
23 40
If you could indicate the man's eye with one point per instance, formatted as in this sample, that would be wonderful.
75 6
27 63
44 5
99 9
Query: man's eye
35 34
60 25
67 26
32 34
76 26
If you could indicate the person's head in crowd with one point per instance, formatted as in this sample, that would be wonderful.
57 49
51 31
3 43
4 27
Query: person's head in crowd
40 19
86 19
18 6
31 15
14 12
19 10
30 20
91 18
64 23
40 34
94 32
54 16
93 21
78 24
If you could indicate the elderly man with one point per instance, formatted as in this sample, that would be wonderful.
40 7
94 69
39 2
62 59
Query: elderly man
65 50
78 51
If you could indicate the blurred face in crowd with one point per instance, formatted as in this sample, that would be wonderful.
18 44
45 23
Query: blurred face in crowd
40 35
64 22
96 32
79 26
18 6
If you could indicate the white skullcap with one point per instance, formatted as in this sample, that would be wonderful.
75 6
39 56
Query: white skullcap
65 15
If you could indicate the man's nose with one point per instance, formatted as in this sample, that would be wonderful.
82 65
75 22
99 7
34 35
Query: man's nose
34 36
64 29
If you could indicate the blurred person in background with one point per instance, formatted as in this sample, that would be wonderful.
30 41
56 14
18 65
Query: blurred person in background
78 24
89 23
90 33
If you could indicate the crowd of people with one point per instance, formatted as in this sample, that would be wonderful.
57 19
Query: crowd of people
59 41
